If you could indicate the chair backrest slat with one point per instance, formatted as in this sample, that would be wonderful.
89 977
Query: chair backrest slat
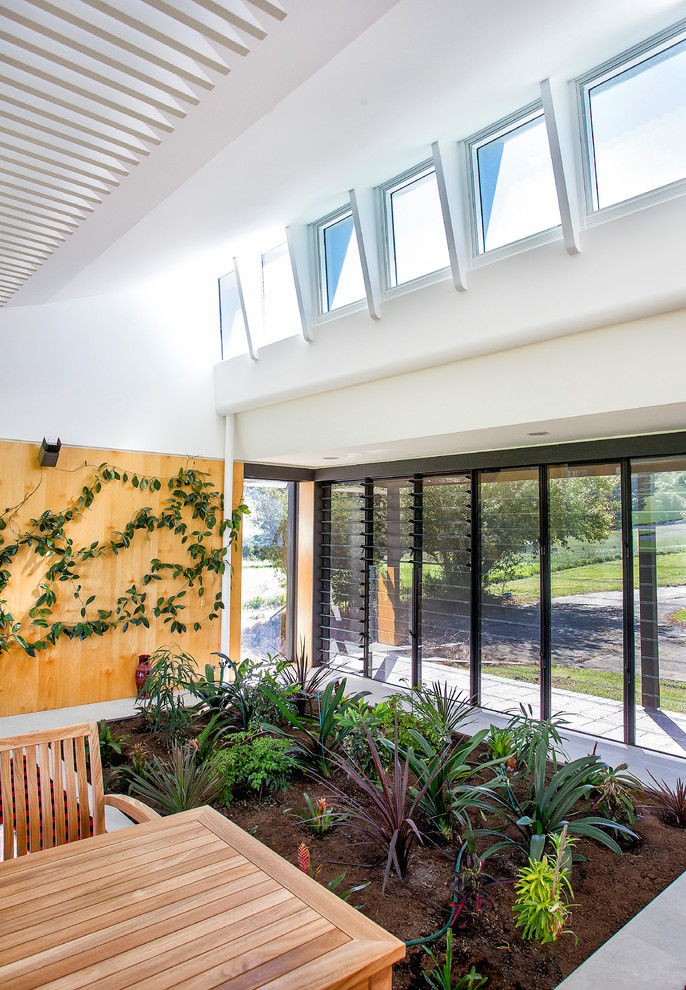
46 809
31 787
44 788
84 819
70 788
7 793
58 790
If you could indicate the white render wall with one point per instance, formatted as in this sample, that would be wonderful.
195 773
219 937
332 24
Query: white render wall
620 380
131 371
629 267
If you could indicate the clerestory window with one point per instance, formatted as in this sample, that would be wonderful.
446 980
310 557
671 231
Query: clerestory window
634 122
513 185
340 270
415 234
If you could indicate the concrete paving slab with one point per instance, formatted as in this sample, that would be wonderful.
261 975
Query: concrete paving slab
650 951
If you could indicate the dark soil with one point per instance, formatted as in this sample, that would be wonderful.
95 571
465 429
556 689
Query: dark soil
608 889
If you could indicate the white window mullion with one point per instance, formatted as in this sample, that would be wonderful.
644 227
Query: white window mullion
367 226
560 114
249 281
450 177
298 240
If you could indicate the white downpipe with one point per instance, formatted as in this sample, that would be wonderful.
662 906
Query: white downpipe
228 506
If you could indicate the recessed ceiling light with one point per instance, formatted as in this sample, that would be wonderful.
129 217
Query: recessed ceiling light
329 458
539 433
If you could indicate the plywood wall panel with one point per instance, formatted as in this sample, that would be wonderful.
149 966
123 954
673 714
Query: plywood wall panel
99 668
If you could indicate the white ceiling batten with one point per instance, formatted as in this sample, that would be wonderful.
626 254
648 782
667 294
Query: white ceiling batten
88 89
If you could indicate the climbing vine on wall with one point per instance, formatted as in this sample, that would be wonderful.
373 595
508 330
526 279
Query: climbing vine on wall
190 495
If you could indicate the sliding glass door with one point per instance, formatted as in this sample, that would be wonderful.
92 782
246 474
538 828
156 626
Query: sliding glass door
515 586
659 536
587 660
510 589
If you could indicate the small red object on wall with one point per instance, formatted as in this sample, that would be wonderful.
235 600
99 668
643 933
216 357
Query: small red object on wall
142 672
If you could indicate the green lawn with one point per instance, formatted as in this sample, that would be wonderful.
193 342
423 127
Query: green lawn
598 683
607 576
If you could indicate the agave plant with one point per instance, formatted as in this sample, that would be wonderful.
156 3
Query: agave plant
546 807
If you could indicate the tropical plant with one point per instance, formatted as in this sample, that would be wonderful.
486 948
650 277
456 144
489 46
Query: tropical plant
391 823
544 893
502 745
393 712
668 802
177 783
253 763
615 794
160 699
538 809
191 496
353 740
302 680
240 698
321 734
441 709
448 777
139 761
230 697
440 977
110 743
320 816
528 732
469 886
305 864
211 736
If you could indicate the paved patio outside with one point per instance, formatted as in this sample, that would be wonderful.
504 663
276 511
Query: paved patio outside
661 730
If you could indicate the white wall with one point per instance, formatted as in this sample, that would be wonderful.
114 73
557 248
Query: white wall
131 371
629 267
620 380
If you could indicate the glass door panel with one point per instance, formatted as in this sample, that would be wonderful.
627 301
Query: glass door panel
586 591
510 587
446 580
659 531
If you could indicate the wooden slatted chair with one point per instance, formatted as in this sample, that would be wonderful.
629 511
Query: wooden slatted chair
46 796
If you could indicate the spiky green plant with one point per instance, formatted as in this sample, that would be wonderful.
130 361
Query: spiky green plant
177 783
544 895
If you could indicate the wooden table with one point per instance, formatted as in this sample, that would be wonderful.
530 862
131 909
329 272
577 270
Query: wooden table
187 901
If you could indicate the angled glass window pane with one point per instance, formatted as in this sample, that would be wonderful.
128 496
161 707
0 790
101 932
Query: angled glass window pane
342 281
638 128
279 301
231 319
516 186
417 244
